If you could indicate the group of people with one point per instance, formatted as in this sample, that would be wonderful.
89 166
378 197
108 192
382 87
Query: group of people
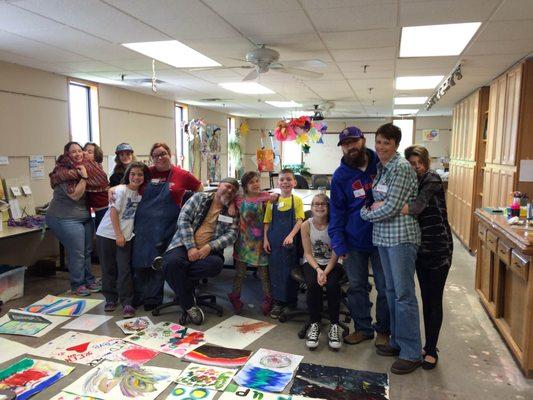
386 211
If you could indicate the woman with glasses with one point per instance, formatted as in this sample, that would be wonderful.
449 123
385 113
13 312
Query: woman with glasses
321 270
155 222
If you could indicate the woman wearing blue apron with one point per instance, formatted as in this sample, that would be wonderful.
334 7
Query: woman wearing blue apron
155 223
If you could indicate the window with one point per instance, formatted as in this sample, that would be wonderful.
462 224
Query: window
407 127
181 118
83 113
232 168
291 153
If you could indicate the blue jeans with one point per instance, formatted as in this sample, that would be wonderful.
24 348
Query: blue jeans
356 267
399 269
76 235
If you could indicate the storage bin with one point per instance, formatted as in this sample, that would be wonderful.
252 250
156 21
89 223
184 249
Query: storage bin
11 282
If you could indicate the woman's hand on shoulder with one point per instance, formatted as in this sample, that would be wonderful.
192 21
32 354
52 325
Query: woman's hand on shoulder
82 171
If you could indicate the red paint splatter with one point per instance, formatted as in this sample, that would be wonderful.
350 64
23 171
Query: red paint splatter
251 328
139 354
80 348
23 378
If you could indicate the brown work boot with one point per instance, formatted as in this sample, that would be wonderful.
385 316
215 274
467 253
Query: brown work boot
382 339
402 367
357 337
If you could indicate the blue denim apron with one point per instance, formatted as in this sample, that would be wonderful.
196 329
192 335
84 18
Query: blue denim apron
282 259
155 222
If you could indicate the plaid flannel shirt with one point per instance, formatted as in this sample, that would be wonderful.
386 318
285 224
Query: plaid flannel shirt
396 184
191 217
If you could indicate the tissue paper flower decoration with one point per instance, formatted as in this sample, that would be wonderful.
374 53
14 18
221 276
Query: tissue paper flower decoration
244 129
302 138
284 132
303 129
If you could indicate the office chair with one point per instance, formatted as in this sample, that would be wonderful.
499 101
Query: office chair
301 182
320 181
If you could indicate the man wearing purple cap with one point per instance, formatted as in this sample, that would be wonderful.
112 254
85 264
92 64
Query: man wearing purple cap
351 237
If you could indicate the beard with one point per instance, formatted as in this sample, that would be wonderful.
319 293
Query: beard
226 199
356 158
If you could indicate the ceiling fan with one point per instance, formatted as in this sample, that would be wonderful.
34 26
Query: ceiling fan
264 59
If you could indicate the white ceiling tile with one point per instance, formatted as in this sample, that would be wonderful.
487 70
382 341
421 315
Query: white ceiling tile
371 16
310 4
513 10
370 74
281 23
16 20
252 6
331 89
507 30
445 11
89 66
522 46
300 42
221 48
382 53
362 39
425 65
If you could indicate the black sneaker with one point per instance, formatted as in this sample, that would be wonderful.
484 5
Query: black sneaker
277 310
313 334
150 307
196 315
334 339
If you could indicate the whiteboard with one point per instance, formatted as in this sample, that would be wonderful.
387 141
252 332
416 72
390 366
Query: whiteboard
325 158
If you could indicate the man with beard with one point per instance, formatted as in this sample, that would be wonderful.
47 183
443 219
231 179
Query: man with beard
351 237
205 229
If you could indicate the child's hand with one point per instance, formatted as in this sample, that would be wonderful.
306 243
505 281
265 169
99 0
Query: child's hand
274 197
232 210
376 205
288 241
120 240
321 277
266 245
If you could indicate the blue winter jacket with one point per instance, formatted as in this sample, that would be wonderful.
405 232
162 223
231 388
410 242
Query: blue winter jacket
351 189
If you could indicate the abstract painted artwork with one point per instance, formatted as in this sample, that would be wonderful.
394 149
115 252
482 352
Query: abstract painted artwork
134 325
84 348
29 376
118 381
11 349
218 356
169 338
181 392
235 392
16 322
237 332
275 360
262 378
64 306
70 396
334 383
206 376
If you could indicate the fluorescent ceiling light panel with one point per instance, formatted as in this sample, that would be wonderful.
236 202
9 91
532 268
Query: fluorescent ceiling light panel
173 53
410 100
298 114
418 82
246 87
283 104
405 111
436 40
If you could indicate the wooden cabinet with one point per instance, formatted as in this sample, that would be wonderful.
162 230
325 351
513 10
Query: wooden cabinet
504 282
512 105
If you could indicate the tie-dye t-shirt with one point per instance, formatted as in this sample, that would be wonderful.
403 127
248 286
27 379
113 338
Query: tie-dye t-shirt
249 246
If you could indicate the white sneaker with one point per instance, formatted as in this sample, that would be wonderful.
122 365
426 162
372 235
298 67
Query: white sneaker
313 333
334 340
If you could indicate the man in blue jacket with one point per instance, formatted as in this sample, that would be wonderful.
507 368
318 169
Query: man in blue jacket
351 237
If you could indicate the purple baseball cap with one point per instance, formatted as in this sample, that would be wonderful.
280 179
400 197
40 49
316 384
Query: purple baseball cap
350 132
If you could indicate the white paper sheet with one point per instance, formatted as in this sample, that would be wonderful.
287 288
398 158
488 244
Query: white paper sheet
237 332
11 349
87 322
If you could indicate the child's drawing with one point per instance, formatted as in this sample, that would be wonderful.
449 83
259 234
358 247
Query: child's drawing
237 332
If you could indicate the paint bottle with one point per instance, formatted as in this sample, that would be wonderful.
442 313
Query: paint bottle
515 207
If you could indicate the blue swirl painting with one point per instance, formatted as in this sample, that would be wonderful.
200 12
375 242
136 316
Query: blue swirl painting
263 379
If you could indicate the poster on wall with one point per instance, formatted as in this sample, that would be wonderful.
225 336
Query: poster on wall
265 160
430 135
37 167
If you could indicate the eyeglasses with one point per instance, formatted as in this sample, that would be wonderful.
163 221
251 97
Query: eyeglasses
320 204
160 155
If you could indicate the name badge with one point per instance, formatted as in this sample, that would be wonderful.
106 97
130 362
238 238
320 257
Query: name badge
225 219
280 205
359 193
155 180
382 188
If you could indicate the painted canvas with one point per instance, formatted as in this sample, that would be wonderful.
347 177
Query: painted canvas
70 396
16 322
275 360
11 349
235 392
262 378
169 338
237 332
29 376
206 376
87 322
64 306
334 383
88 349
134 325
117 381
218 356
182 392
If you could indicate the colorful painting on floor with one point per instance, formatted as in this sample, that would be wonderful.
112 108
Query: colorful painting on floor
206 376
87 322
182 392
334 383
16 322
118 381
64 306
169 338
88 349
235 392
218 356
11 349
237 332
275 360
30 376
70 396
134 325
262 378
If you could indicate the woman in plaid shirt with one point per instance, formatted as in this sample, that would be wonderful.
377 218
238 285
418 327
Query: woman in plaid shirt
397 237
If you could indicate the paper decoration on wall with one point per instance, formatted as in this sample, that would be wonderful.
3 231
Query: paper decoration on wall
211 152
237 332
169 338
88 349
70 396
196 134
275 360
430 135
134 325
65 306
218 356
206 376
4 160
339 383
117 381
235 392
16 322
11 349
263 379
87 322
265 160
244 128
182 392
37 167
30 376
